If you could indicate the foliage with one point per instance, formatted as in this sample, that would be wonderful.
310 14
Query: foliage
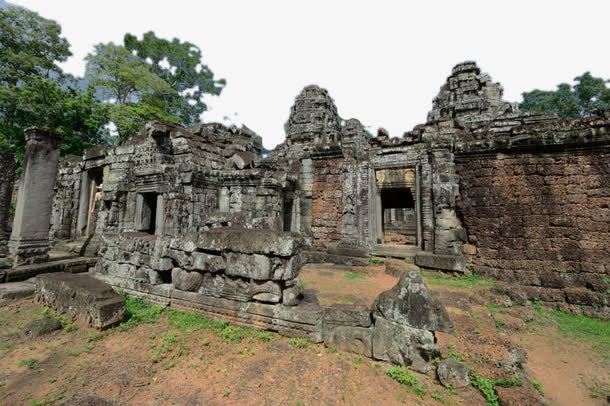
139 312
299 342
31 363
462 281
180 65
402 375
376 261
486 386
594 331
35 92
538 386
588 95
354 276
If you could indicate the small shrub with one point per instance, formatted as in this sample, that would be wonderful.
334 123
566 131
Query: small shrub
31 363
486 387
453 353
233 334
538 386
402 375
299 342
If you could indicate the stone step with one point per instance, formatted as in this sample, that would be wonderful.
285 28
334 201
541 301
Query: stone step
71 265
395 251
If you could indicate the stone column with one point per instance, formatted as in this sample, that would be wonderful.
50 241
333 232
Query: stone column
29 241
7 177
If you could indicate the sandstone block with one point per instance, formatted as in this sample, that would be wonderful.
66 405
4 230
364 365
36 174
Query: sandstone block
81 297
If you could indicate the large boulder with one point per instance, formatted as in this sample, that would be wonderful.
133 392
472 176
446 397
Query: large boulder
409 303
81 297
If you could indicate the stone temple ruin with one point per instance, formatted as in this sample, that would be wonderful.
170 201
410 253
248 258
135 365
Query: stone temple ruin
197 218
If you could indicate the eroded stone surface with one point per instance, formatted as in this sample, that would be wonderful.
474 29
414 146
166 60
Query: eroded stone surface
409 303
82 298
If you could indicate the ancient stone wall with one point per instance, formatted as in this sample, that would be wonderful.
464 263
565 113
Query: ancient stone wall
327 205
64 214
7 178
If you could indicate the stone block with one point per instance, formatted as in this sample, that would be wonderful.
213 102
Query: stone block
358 340
347 315
403 345
409 303
442 262
248 266
81 297
249 241
204 262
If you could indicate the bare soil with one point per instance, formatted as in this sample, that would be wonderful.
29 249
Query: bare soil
157 364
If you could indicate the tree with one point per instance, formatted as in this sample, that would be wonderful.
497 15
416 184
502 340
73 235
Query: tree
35 92
180 65
587 96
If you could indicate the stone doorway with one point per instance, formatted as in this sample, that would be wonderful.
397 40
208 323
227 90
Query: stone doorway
149 212
91 186
399 223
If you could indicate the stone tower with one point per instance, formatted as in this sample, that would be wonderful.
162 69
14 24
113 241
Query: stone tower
313 118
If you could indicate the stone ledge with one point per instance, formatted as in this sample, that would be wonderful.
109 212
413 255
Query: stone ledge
441 262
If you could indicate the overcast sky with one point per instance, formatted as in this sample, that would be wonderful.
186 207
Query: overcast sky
381 61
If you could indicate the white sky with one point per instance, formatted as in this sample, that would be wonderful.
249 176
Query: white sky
381 61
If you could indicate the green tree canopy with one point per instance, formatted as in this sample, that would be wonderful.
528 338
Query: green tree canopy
588 95
180 65
151 79
35 92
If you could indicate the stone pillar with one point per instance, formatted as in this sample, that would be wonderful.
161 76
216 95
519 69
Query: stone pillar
30 235
7 177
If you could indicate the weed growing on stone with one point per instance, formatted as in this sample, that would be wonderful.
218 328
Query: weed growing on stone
462 281
299 342
31 363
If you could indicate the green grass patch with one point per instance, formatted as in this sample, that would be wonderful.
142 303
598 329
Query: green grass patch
299 342
355 276
31 363
376 261
595 331
137 311
486 387
405 376
462 281
538 386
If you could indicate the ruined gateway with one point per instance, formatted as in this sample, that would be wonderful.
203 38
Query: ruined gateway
197 218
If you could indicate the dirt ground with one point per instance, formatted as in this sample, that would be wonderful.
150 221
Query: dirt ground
162 364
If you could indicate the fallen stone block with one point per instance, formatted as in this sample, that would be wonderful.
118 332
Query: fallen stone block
442 262
82 298
40 327
358 340
16 290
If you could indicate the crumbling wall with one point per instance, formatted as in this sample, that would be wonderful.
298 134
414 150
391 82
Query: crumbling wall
66 199
536 205
327 207
7 178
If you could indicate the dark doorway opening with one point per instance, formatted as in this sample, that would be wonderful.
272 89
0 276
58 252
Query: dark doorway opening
398 216
148 220
287 211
